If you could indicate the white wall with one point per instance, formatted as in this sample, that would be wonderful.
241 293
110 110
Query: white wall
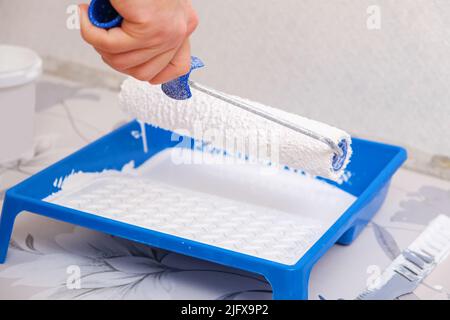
313 57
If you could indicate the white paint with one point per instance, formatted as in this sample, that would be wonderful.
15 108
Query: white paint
221 124
229 206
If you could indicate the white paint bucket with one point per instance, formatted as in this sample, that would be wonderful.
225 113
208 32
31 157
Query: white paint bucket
19 68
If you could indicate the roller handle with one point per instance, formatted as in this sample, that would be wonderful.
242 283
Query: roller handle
103 15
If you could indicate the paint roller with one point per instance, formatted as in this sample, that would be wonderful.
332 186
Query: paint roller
184 106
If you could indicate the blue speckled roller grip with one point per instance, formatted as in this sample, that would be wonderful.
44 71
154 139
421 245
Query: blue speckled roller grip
179 88
103 15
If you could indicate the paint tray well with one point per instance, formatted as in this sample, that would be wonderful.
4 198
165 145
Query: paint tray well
228 205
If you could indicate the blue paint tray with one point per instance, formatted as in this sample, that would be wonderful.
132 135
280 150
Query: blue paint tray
372 167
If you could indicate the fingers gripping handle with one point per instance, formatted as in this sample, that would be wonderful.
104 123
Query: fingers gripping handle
103 15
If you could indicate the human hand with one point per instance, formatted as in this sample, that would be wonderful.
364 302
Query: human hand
152 43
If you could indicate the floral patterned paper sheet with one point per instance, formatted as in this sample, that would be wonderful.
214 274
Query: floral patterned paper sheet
53 260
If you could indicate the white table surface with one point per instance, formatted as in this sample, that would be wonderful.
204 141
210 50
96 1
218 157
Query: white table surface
44 252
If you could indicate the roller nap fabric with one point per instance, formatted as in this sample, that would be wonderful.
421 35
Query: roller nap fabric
220 124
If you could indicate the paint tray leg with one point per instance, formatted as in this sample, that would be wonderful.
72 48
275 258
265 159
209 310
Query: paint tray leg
11 208
289 284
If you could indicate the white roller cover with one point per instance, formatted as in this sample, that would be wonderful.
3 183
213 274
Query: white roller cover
218 123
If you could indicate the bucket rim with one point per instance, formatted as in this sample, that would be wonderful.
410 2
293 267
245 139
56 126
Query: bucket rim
18 66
